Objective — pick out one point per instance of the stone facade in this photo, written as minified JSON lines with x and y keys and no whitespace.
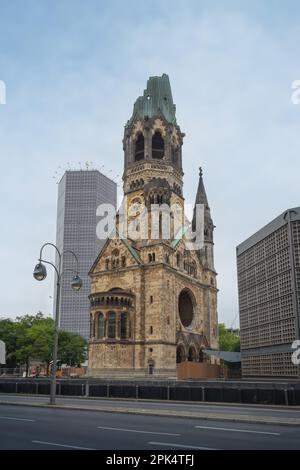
{"x":153,"y":302}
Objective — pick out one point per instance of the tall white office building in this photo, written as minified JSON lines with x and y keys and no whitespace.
{"x":80,"y":192}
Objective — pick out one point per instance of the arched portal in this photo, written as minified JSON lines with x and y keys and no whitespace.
{"x":151,"y":366}
{"x":180,"y":354}
{"x":201,"y":356}
{"x":192,"y":357}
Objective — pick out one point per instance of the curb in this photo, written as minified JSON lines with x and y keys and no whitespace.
{"x":152,"y":400}
{"x":168,"y":413}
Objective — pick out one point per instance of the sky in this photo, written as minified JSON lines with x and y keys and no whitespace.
{"x":73,"y":70}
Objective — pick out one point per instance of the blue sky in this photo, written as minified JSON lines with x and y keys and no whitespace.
{"x":73,"y":70}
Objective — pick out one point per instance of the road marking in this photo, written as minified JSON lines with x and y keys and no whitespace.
{"x":181,"y":446}
{"x":18,"y":419}
{"x":137,"y":431}
{"x":238,"y":430}
{"x":61,"y":445}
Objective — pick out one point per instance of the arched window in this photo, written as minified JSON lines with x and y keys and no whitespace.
{"x":139,"y":153}
{"x":151,"y":257}
{"x":101,"y":326}
{"x":111,"y":325}
{"x":123,"y":326}
{"x":158,"y":146}
{"x":92,"y":326}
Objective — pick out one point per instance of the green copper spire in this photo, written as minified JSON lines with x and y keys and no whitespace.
{"x":157,"y":97}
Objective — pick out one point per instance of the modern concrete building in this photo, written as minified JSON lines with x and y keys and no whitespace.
{"x":268,"y":266}
{"x":80,"y":192}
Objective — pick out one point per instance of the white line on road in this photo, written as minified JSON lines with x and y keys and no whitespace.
{"x":179,"y":446}
{"x":238,"y":430}
{"x":61,"y":445}
{"x":17,"y":419}
{"x":136,"y":430}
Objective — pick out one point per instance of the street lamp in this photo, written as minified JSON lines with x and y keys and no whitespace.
{"x":40,"y":274}
{"x":76,"y":283}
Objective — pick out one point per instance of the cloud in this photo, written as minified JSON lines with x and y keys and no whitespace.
{"x":72,"y":77}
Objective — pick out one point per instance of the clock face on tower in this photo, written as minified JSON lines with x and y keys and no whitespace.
{"x":135,"y":207}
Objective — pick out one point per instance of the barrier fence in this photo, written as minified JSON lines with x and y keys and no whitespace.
{"x":221,"y":394}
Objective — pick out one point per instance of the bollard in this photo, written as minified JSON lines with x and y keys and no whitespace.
{"x":286,"y":397}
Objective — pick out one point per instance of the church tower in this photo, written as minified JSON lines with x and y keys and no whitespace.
{"x":153,"y":299}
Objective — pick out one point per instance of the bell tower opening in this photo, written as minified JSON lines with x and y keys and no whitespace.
{"x":139,"y":153}
{"x":158,"y":146}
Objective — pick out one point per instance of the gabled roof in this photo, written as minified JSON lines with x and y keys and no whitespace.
{"x":126,"y":243}
{"x":132,"y":250}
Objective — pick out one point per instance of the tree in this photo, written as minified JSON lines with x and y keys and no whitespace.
{"x":24,"y":348}
{"x":32,"y":337}
{"x":228,"y":341}
{"x":41,"y":337}
{"x":71,"y":348}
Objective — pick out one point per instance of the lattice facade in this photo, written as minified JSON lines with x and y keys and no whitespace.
{"x":268,"y":267}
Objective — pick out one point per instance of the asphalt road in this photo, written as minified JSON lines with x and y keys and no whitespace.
{"x":23,"y":427}
{"x":227,"y":409}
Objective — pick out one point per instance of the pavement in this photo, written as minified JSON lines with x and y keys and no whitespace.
{"x":252,"y":414}
{"x":45,"y":428}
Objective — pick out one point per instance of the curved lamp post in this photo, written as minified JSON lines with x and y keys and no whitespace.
{"x":40,"y":274}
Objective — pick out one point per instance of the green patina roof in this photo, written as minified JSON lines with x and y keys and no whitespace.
{"x":157,"y":97}
{"x":130,"y":248}
{"x":179,"y":236}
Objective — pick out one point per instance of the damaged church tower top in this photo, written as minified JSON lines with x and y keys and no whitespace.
{"x":157,"y":98}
